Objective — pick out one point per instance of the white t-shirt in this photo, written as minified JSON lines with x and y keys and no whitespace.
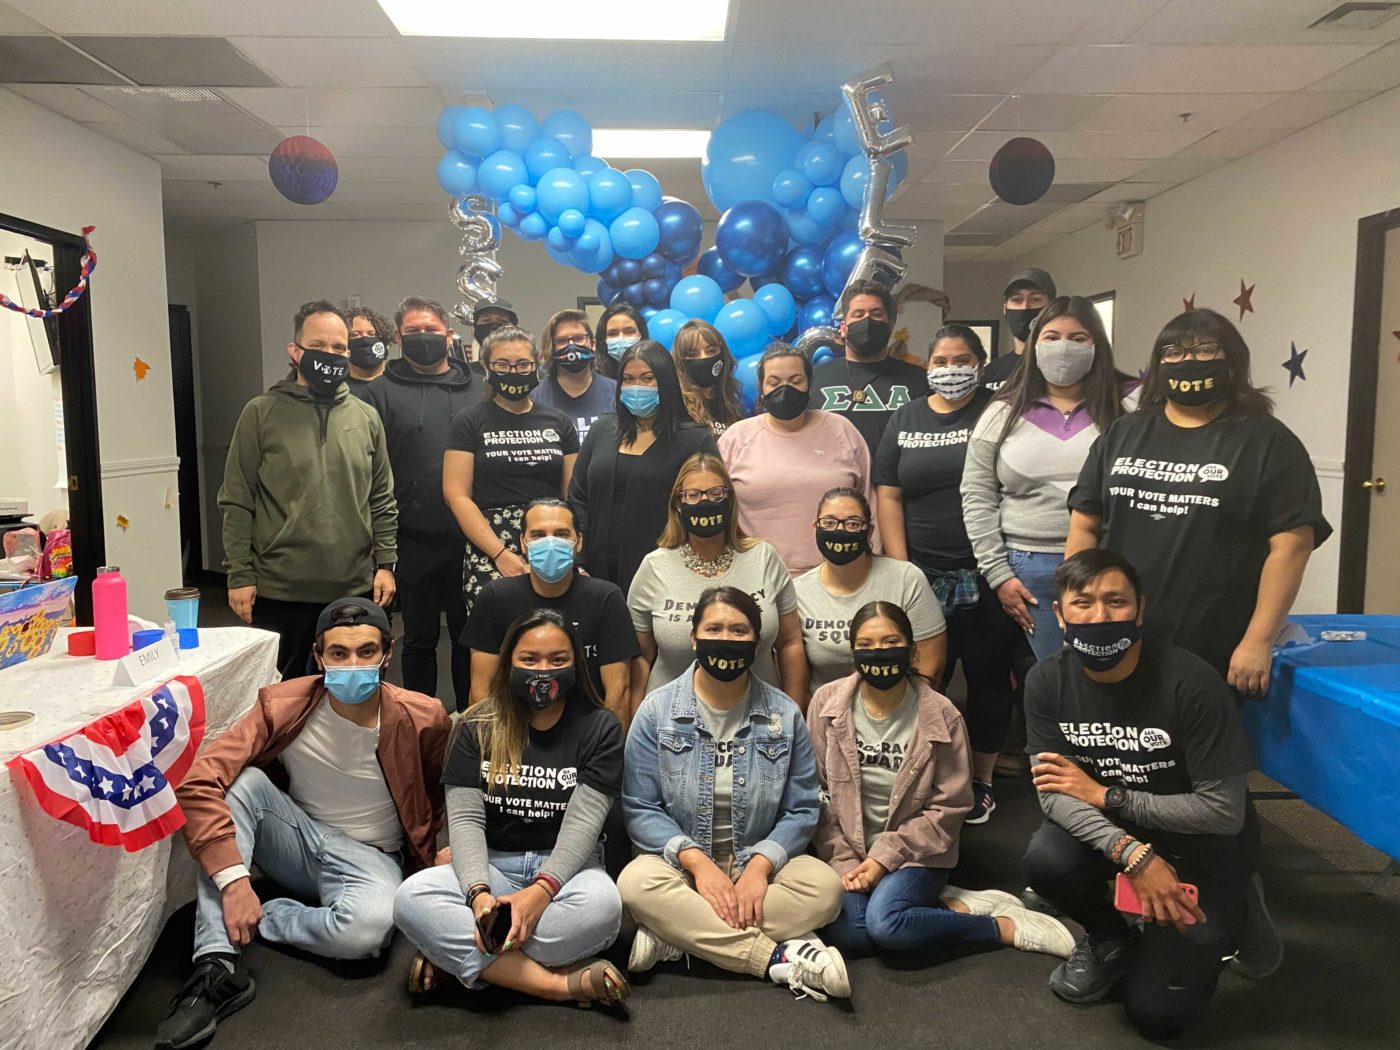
{"x":723,"y":726}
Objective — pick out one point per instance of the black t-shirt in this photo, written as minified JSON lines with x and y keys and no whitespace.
{"x":999,"y":370}
{"x":1171,"y":723}
{"x":922,"y":453}
{"x":595,"y":607}
{"x":1193,"y":509}
{"x":518,"y":457}
{"x":526,"y":812}
{"x":866,"y":394}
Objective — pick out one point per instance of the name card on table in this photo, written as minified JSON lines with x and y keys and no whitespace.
{"x":154,"y":661}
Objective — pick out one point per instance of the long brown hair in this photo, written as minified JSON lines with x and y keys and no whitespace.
{"x":697,"y":333}
{"x":674,"y":536}
{"x":1242,"y":397}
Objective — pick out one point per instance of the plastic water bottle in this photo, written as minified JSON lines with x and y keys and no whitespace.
{"x":172,"y":635}
{"x":112,"y":633}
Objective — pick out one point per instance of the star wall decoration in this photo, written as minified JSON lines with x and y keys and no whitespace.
{"x":1294,"y":364}
{"x":1187,"y":305}
{"x":1245,"y":300}
{"x":1397,"y":336}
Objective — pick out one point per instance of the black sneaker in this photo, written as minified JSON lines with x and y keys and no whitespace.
{"x":982,"y":803}
{"x":1260,"y":948}
{"x":1091,"y":971}
{"x":1032,"y":901}
{"x":211,"y":994}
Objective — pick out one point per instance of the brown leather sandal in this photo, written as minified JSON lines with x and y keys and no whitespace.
{"x":609,"y":985}
{"x":422,"y":977}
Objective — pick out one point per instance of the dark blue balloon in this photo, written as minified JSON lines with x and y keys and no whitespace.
{"x":840,"y":260}
{"x":648,"y":312}
{"x":604,"y":289}
{"x":712,"y":265}
{"x":752,"y":237}
{"x":816,"y":312}
{"x":681,"y":229}
{"x":629,"y":271}
{"x":613,"y":275}
{"x":654,"y":265}
{"x":766,"y":278}
{"x":635,"y":294}
{"x":673,"y":273}
{"x":802,"y":271}
{"x":656,"y":292}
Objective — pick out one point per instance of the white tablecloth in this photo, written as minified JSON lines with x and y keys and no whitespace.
{"x":77,"y":920}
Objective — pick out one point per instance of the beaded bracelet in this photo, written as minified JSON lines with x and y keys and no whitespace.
{"x":1119,"y":847}
{"x":1140,"y":861}
{"x":475,"y":892}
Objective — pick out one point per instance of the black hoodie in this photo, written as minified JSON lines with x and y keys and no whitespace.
{"x":417,"y":411}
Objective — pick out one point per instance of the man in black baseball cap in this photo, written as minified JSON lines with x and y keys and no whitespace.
{"x":490,"y":317}
{"x":1027,"y":293}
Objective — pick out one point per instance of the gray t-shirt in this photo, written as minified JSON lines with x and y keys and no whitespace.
{"x":826,"y":617}
{"x":663,"y":596}
{"x":723,"y":726}
{"x":881,"y":744}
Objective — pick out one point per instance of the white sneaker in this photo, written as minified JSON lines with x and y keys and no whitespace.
{"x":648,"y":950}
{"x":809,"y":968}
{"x":1040,"y":933}
{"x":984,"y":902}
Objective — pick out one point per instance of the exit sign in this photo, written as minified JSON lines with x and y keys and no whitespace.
{"x":1128,"y":239}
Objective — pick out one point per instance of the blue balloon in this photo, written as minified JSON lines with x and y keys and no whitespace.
{"x":560,"y":241}
{"x":755,"y":283}
{"x":826,"y":205}
{"x":844,"y":132}
{"x":571,"y":222}
{"x":752,"y":237}
{"x":746,"y":372}
{"x":656,"y":292}
{"x":571,"y":129}
{"x":820,"y":162}
{"x":544,"y":155}
{"x":522,"y":198}
{"x":654,"y":266}
{"x":445,"y":121}
{"x":562,"y":258}
{"x":518,"y":127}
{"x":457,"y":174}
{"x":745,"y":154}
{"x":475,"y":131}
{"x":816,"y":312}
{"x":609,"y":194}
{"x":646,"y":191}
{"x":712,"y":265}
{"x":853,"y":179}
{"x":634,"y":294}
{"x":588,"y":166}
{"x":790,"y":188}
{"x":560,"y":189}
{"x":697,"y":296}
{"x":803,"y":229}
{"x":681,"y":230}
{"x":648,"y":312}
{"x":840,"y":260}
{"x":533,"y":227}
{"x":778,"y":306}
{"x":802,"y":271}
{"x":664,"y":325}
{"x":594,"y":252}
{"x":744,"y":327}
{"x":499,"y":173}
{"x":603,"y":289}
{"x":508,"y":216}
{"x":635,"y":233}
{"x":825,"y":131}
{"x":629,"y":271}
{"x":614,"y":296}
{"x":823,"y":355}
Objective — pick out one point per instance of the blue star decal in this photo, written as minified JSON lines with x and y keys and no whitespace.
{"x":1294,"y":364}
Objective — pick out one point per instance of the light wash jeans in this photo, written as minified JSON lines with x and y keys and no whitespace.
{"x":1037,"y":572}
{"x":431,"y":909}
{"x":354,"y":883}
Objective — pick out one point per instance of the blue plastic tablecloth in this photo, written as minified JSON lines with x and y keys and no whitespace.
{"x":1329,"y":730}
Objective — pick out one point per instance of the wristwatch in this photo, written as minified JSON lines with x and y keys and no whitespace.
{"x":1114,"y":798}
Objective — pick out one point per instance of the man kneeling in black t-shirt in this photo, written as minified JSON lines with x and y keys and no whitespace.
{"x":1141,"y":764}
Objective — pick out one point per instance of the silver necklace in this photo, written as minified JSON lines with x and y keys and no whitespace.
{"x":708,"y":569}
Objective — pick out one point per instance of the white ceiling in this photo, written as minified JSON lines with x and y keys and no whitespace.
{"x":1103,"y":83}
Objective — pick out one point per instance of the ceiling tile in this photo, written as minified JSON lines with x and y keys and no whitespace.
{"x":347,"y":107}
{"x":1303,"y":108}
{"x":1378,"y":71}
{"x":372,"y":141}
{"x":70,"y":102}
{"x":940,"y":111}
{"x":334,"y":61}
{"x":161,"y":17}
{"x":563,"y":68}
{"x":1044,"y":112}
{"x":1082,"y":145}
{"x":1208,"y":70}
{"x":625,"y":108}
{"x":388,"y":169}
{"x":1130,"y":191}
{"x":1115,"y":21}
{"x":817,"y":68}
{"x":166,"y":61}
{"x":1163,"y":112}
{"x":822,"y":21}
{"x":1253,"y":22}
{"x":236,"y":191}
{"x":961,"y":251}
{"x":1234,"y":142}
{"x":211,"y":166}
{"x":354,"y":192}
{"x":946,"y":193}
{"x":1180,"y":169}
{"x":11,"y":21}
{"x":135,"y":136}
{"x":1007,"y":219}
{"x":1075,"y":217}
{"x":202,"y":126}
{"x":47,"y":60}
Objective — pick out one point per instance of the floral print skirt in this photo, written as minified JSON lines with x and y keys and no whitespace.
{"x":477,"y":567}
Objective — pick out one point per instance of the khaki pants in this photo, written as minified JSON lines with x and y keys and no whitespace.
{"x":802,"y":898}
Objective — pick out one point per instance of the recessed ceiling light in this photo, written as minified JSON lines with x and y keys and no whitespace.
{"x":562,"y":19}
{"x":649,"y":142}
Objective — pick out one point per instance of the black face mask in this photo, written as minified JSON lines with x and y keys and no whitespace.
{"x":1020,"y":321}
{"x":539,"y":688}
{"x":485,"y":328}
{"x":367,"y":352}
{"x":1196,"y":382}
{"x":322,"y":370}
{"x":1102,"y":646}
{"x":704,"y":371}
{"x":424,"y":348}
{"x":513,"y":387}
{"x":840,"y":547}
{"x":883,"y":668}
{"x":573,"y":358}
{"x":724,"y":660}
{"x":786,"y":402}
{"x":868,"y":336}
{"x":706,"y":518}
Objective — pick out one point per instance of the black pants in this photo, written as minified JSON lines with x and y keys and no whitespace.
{"x":295,"y":623}
{"x":1172,"y":976}
{"x":429,"y":581}
{"x":985,"y":639}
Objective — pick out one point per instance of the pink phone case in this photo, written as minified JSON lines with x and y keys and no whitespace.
{"x":1125,"y":897}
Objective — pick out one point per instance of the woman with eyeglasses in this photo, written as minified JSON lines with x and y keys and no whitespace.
{"x":703,"y":546}
{"x":1213,"y":500}
{"x":573,"y":383}
{"x":850,"y":577}
{"x":619,"y":329}
{"x":1024,"y":455}
{"x":706,"y":370}
{"x":502,"y":453}
{"x":629,"y":463}
{"x":784,"y":458}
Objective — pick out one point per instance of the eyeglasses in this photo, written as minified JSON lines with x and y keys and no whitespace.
{"x":1200,"y":352}
{"x":842,"y":524}
{"x":578,"y":340}
{"x":694,"y":496}
{"x":505,"y":368}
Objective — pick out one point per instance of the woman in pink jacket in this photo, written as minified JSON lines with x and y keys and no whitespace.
{"x":892,"y":757}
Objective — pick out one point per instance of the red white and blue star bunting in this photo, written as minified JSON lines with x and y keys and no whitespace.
{"x":74,"y":294}
{"x":116,"y":777}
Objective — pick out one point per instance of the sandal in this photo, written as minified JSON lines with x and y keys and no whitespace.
{"x":422,"y":978}
{"x":609,"y":985}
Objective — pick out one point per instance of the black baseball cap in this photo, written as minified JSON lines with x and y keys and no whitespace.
{"x":351,"y":612}
{"x":1030,"y":277}
{"x":502,"y":306}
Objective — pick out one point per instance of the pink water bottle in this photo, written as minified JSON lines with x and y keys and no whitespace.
{"x":113,"y":635}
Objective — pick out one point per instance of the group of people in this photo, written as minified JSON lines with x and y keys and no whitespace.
{"x":699,"y":657}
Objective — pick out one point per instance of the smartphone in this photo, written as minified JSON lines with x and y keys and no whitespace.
{"x":494,"y":927}
{"x":1125,"y":898}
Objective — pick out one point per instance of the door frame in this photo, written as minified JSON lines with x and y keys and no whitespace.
{"x":1361,"y":407}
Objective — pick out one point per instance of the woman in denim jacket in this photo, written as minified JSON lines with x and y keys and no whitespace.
{"x":720,"y":795}
{"x":896,"y":774}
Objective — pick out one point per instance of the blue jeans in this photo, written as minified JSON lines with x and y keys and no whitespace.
{"x":582,"y":920}
{"x":903,"y":914}
{"x":1037,"y":572}
{"x":353,"y":882}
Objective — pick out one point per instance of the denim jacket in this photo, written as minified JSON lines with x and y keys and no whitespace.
{"x":669,"y":780}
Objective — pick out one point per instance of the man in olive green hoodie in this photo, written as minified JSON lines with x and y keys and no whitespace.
{"x":308,"y":494}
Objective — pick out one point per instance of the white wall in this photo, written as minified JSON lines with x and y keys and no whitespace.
{"x":62,"y":175}
{"x":1284,"y":220}
{"x":976,"y":290}
{"x":923,"y":262}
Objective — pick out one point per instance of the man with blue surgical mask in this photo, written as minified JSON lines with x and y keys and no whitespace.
{"x":596,"y":608}
{"x":331,"y":785}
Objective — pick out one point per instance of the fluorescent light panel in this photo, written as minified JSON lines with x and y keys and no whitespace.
{"x":649,"y":142}
{"x":562,"y":19}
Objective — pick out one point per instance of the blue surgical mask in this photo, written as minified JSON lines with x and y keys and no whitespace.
{"x":617,"y":346}
{"x":352,"y":685}
{"x":641,"y":401}
{"x":550,"y":558}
